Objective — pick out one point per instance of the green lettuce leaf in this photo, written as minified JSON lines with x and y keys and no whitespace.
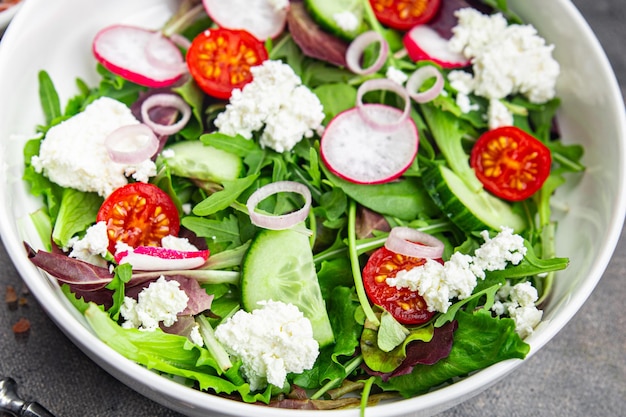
{"x":480,"y":341}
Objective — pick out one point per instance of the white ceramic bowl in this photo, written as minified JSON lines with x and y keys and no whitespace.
{"x":7,"y":15}
{"x":592,"y":114}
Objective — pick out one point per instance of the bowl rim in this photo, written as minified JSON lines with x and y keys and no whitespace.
{"x":179,"y":397}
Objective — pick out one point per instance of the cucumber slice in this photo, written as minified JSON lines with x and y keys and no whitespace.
{"x":194,"y":159}
{"x":470,"y":211}
{"x":325,"y":12}
{"x":279,"y":266}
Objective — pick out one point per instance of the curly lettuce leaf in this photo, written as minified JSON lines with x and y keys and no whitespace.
{"x":480,"y":341}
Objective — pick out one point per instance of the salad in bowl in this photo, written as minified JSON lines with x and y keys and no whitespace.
{"x":307,"y":205}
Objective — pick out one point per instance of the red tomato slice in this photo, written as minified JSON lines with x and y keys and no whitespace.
{"x":139,"y":214}
{"x":404,"y":14}
{"x":406,"y":306}
{"x":510,"y":163}
{"x":220,"y":60}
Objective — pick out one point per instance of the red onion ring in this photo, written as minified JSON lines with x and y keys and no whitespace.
{"x":155,"y":45}
{"x":417,"y":80}
{"x":383,"y":84}
{"x":165,"y":100}
{"x":355,"y":50}
{"x":125,"y":145}
{"x":281,"y":221}
{"x":411,"y":242}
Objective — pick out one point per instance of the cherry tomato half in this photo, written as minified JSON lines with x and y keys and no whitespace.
{"x":406,"y":306}
{"x":404,"y":14}
{"x":139,"y":214}
{"x":510,"y":163}
{"x":220,"y":60}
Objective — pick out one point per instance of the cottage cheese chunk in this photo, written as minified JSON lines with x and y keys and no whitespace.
{"x":271,"y":341}
{"x":346,"y":20}
{"x":396,"y":75}
{"x":275,"y":102}
{"x":518,"y":302}
{"x":506,"y":59}
{"x":93,"y":247}
{"x":73,"y":154}
{"x":457,"y":277}
{"x":161,"y":301}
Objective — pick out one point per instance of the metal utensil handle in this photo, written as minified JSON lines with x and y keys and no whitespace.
{"x":11,"y":403}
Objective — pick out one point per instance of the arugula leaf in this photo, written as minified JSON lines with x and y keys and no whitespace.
{"x":224,"y":231}
{"x":50,"y":102}
{"x":123,"y":274}
{"x":224,"y":198}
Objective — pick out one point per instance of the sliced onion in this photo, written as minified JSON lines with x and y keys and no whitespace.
{"x":388,"y":85}
{"x":355,"y":50}
{"x":165,"y":100}
{"x":417,"y":80}
{"x":181,"y":41}
{"x":410,"y":242}
{"x":131,"y":144}
{"x":281,"y":221}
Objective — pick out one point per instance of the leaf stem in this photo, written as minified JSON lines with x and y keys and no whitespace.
{"x":356,"y":269}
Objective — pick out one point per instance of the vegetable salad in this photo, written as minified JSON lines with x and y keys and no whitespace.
{"x":320,"y":206}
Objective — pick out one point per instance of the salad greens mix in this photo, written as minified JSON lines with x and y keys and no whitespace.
{"x":319,"y":264}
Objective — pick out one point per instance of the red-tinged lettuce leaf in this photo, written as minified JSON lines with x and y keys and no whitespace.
{"x":69,"y":270}
{"x":426,"y":353}
{"x":312,"y":39}
{"x":445,"y":20}
{"x":480,"y":341}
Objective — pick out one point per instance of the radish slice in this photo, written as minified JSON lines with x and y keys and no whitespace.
{"x":165,"y":100}
{"x":418,"y":78}
{"x":262,"y":18}
{"x":152,"y":258}
{"x":372,"y":118}
{"x":410,"y":242}
{"x":131,"y":144}
{"x":132,"y":53}
{"x":356,"y":152}
{"x":424,"y":43}
{"x":355,"y":50}
{"x":282,"y":221}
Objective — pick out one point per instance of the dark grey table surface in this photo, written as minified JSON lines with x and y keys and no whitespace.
{"x":581,"y":372}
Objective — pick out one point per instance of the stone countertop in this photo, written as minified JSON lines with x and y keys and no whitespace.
{"x":581,"y":372}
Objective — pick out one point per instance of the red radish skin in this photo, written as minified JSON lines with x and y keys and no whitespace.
{"x":123,"y":50}
{"x":355,"y":151}
{"x":424,"y":43}
{"x":255,"y":16}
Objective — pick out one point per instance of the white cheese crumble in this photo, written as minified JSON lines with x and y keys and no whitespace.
{"x":276,"y":102}
{"x":271,"y":342}
{"x":457,"y":277}
{"x":346,"y":20}
{"x":506,"y":59}
{"x":195,"y":336}
{"x":181,"y":244}
{"x":161,"y":301}
{"x":519,"y":302}
{"x":92,"y":247}
{"x":498,"y":115}
{"x":396,"y":75}
{"x":73,"y":153}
